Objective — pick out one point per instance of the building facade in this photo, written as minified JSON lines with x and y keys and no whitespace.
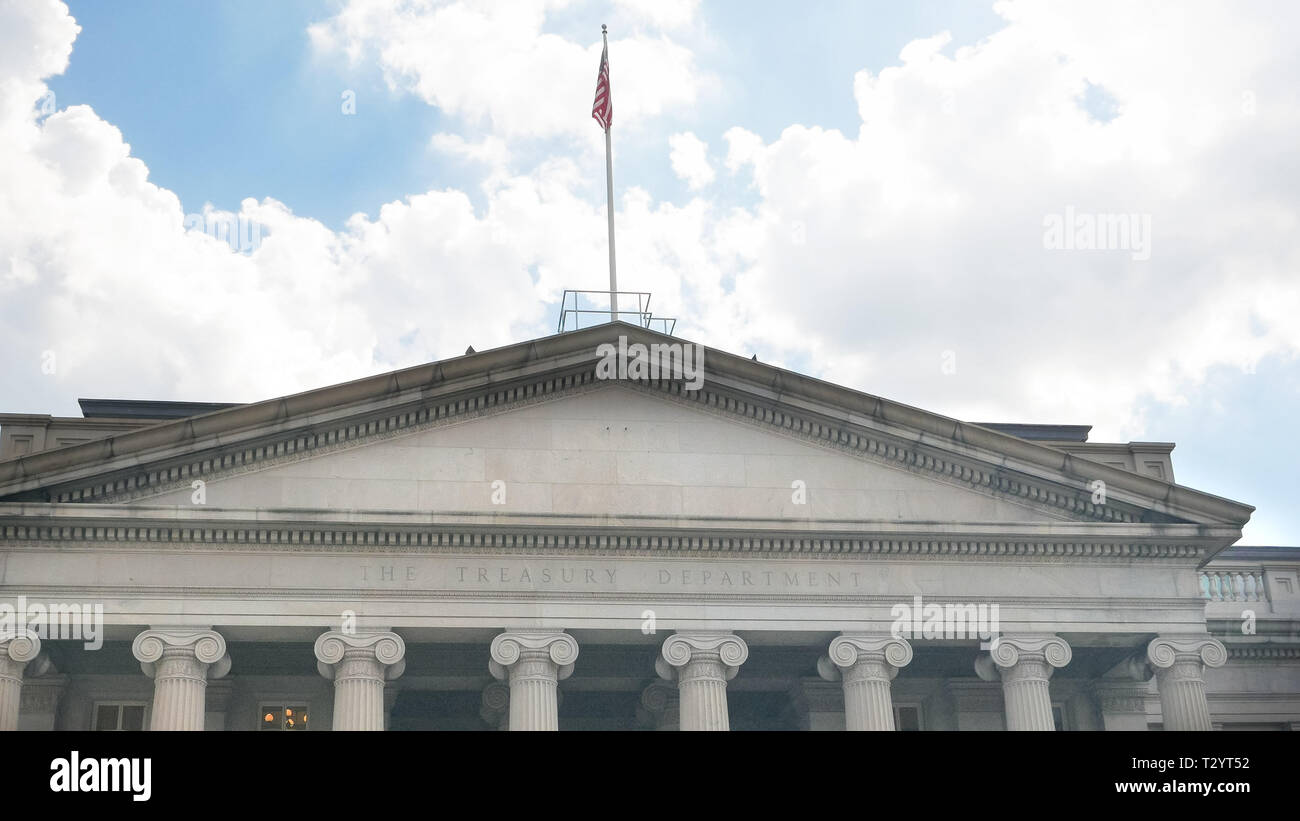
{"x":521,"y":539}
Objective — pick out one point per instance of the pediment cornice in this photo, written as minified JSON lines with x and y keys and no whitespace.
{"x":170,"y":455}
{"x":135,"y":527}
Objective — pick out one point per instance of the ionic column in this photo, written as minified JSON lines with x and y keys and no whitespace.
{"x":494,"y":706}
{"x":534,"y":663}
{"x":866,"y":665}
{"x":1180,"y":663}
{"x":359,"y":664}
{"x":659,"y":704}
{"x":15,"y":653}
{"x":180,"y":661}
{"x":1025,"y":663}
{"x":702,"y":664}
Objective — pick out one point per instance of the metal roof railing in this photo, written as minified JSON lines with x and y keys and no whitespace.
{"x":583,"y":309}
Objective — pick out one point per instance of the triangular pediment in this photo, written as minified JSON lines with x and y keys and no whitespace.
{"x":608,"y":450}
{"x":539,"y":417}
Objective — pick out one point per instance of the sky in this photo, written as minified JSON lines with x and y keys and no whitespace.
{"x":1053,"y":212}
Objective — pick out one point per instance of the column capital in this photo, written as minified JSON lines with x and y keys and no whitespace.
{"x":658,"y":696}
{"x":660,"y":706}
{"x":386,"y":648}
{"x":208,"y":647}
{"x":1164,"y":651}
{"x":510,"y":647}
{"x":17,"y":652}
{"x":494,"y":704}
{"x":849,"y":649}
{"x":21,"y":648}
{"x":680,"y":649}
{"x":1006,"y":652}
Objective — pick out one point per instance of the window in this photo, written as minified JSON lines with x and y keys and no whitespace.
{"x":907,"y":717}
{"x":111,"y":716}
{"x":282,"y":717}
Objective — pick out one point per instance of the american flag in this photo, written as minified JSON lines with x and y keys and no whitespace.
{"x":603,"y":110}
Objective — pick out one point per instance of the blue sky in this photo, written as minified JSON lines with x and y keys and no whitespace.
{"x":853,"y":190}
{"x":227,"y":100}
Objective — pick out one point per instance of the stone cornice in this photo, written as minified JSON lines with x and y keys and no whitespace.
{"x":28,"y":525}
{"x":1264,"y":653}
{"x":171,"y":454}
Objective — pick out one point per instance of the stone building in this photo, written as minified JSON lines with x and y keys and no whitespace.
{"x":508,"y":539}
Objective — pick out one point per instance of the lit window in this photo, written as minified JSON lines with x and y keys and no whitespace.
{"x":282,"y":717}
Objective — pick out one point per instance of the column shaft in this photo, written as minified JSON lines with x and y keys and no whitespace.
{"x":1028,"y":696}
{"x":11,"y":690}
{"x":358,"y":692}
{"x":702,"y":688}
{"x":1182,"y":700}
{"x":868,"y":704}
{"x":533,"y":693}
{"x":180,"y":684}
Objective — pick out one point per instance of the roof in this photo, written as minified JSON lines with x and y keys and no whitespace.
{"x":146,"y":409}
{"x":1047,"y":433}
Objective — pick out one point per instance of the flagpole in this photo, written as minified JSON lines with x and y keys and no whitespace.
{"x":609,"y":207}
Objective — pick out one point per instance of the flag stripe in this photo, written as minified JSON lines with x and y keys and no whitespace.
{"x":603,"y":110}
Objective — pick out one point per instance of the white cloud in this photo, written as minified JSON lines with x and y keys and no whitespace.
{"x":494,"y":64}
{"x":874,"y":253}
{"x":689,"y":156}
{"x":491,"y":151}
{"x":667,"y":14}
{"x":743,"y":147}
